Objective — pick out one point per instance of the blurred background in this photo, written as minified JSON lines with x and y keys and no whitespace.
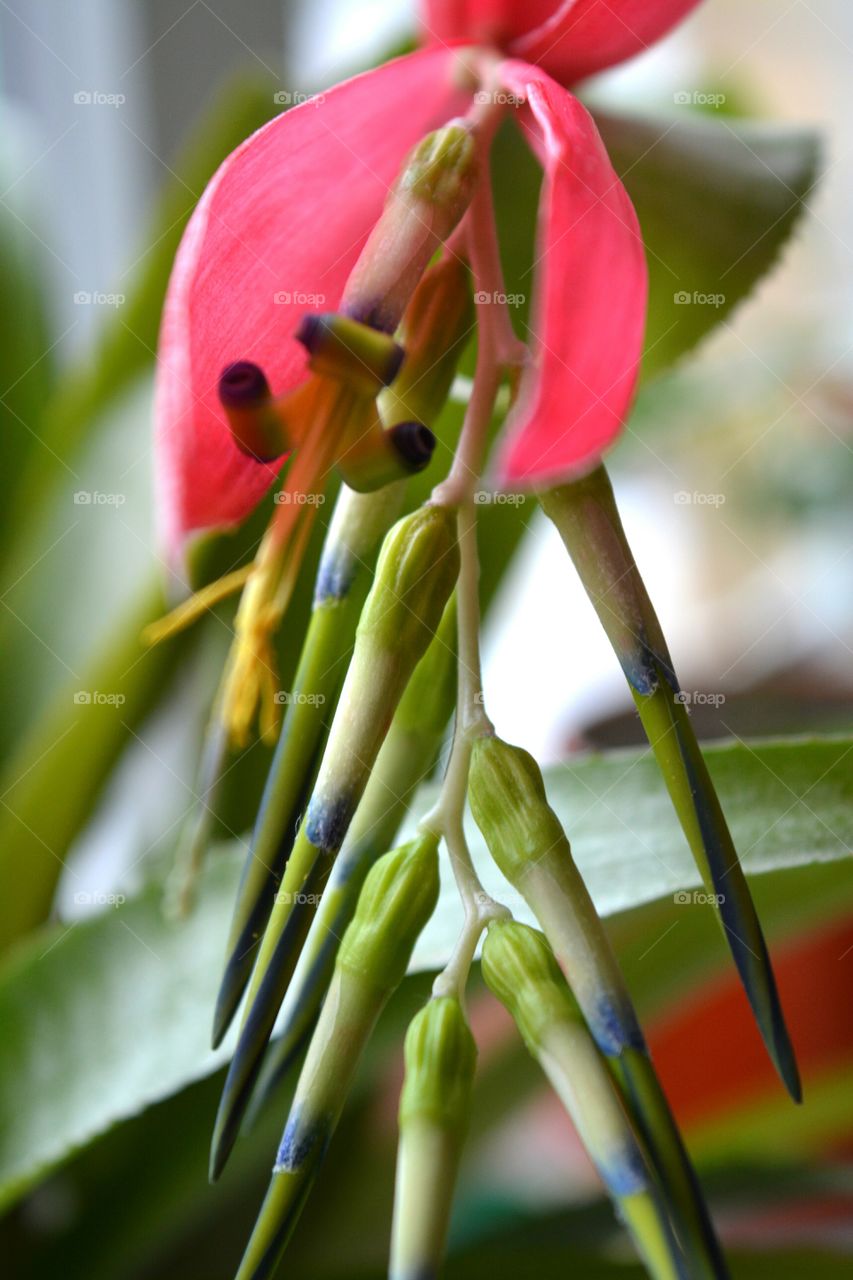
{"x":735,"y":484}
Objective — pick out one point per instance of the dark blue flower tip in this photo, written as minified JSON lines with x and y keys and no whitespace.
{"x":414,"y":443}
{"x":243,"y":385}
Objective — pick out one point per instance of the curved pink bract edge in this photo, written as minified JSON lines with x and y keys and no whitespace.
{"x":570,"y":40}
{"x":276,"y":233}
{"x":591,"y":289}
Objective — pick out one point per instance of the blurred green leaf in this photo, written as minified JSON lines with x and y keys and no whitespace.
{"x":51,"y":783}
{"x":788,"y":803}
{"x":717,"y":200}
{"x":26,"y":357}
{"x":128,"y":995}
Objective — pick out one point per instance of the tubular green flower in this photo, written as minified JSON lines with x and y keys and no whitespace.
{"x":407,"y":755}
{"x":520,"y":969}
{"x":441,"y":1057}
{"x":415,"y":575}
{"x":358,"y":525}
{"x":398,"y":897}
{"x":587,"y":519}
{"x":528,"y":844}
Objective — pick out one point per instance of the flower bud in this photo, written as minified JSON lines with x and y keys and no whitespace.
{"x":415,"y":575}
{"x":519,"y":967}
{"x":417,"y":570}
{"x":397,"y":899}
{"x":434,"y":189}
{"x":528,"y":844}
{"x":440,"y":1060}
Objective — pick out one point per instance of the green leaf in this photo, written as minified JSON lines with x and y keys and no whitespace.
{"x":102,"y":1018}
{"x":789,"y":804}
{"x":50,"y":785}
{"x":717,"y":201}
{"x":127,"y":996}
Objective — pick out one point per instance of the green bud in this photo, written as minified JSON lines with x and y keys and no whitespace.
{"x":437,"y":324}
{"x":440,"y":1058}
{"x":519,"y":967}
{"x":416,"y":572}
{"x":441,"y":168}
{"x":398,"y":897}
{"x":508,"y":802}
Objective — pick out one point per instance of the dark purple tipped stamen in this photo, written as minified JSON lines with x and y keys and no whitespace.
{"x":414,"y":442}
{"x":242,"y":385}
{"x":244,"y":394}
{"x":344,"y":348}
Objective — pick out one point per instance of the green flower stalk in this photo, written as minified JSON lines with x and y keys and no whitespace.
{"x":416,"y":573}
{"x":526,"y":840}
{"x":519,"y":967}
{"x":441,"y":1058}
{"x":433,"y":333}
{"x":398,"y":897}
{"x":358,"y":525}
{"x":408,"y":754}
{"x":588,"y":521}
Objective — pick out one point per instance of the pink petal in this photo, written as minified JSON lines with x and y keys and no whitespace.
{"x":285,"y":216}
{"x":571,"y":40}
{"x":590,"y":303}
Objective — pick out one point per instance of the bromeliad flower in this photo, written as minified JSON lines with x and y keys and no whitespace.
{"x":315,"y":319}
{"x":570,"y":39}
{"x":285,"y":220}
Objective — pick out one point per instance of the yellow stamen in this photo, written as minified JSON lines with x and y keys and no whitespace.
{"x":200,"y":602}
